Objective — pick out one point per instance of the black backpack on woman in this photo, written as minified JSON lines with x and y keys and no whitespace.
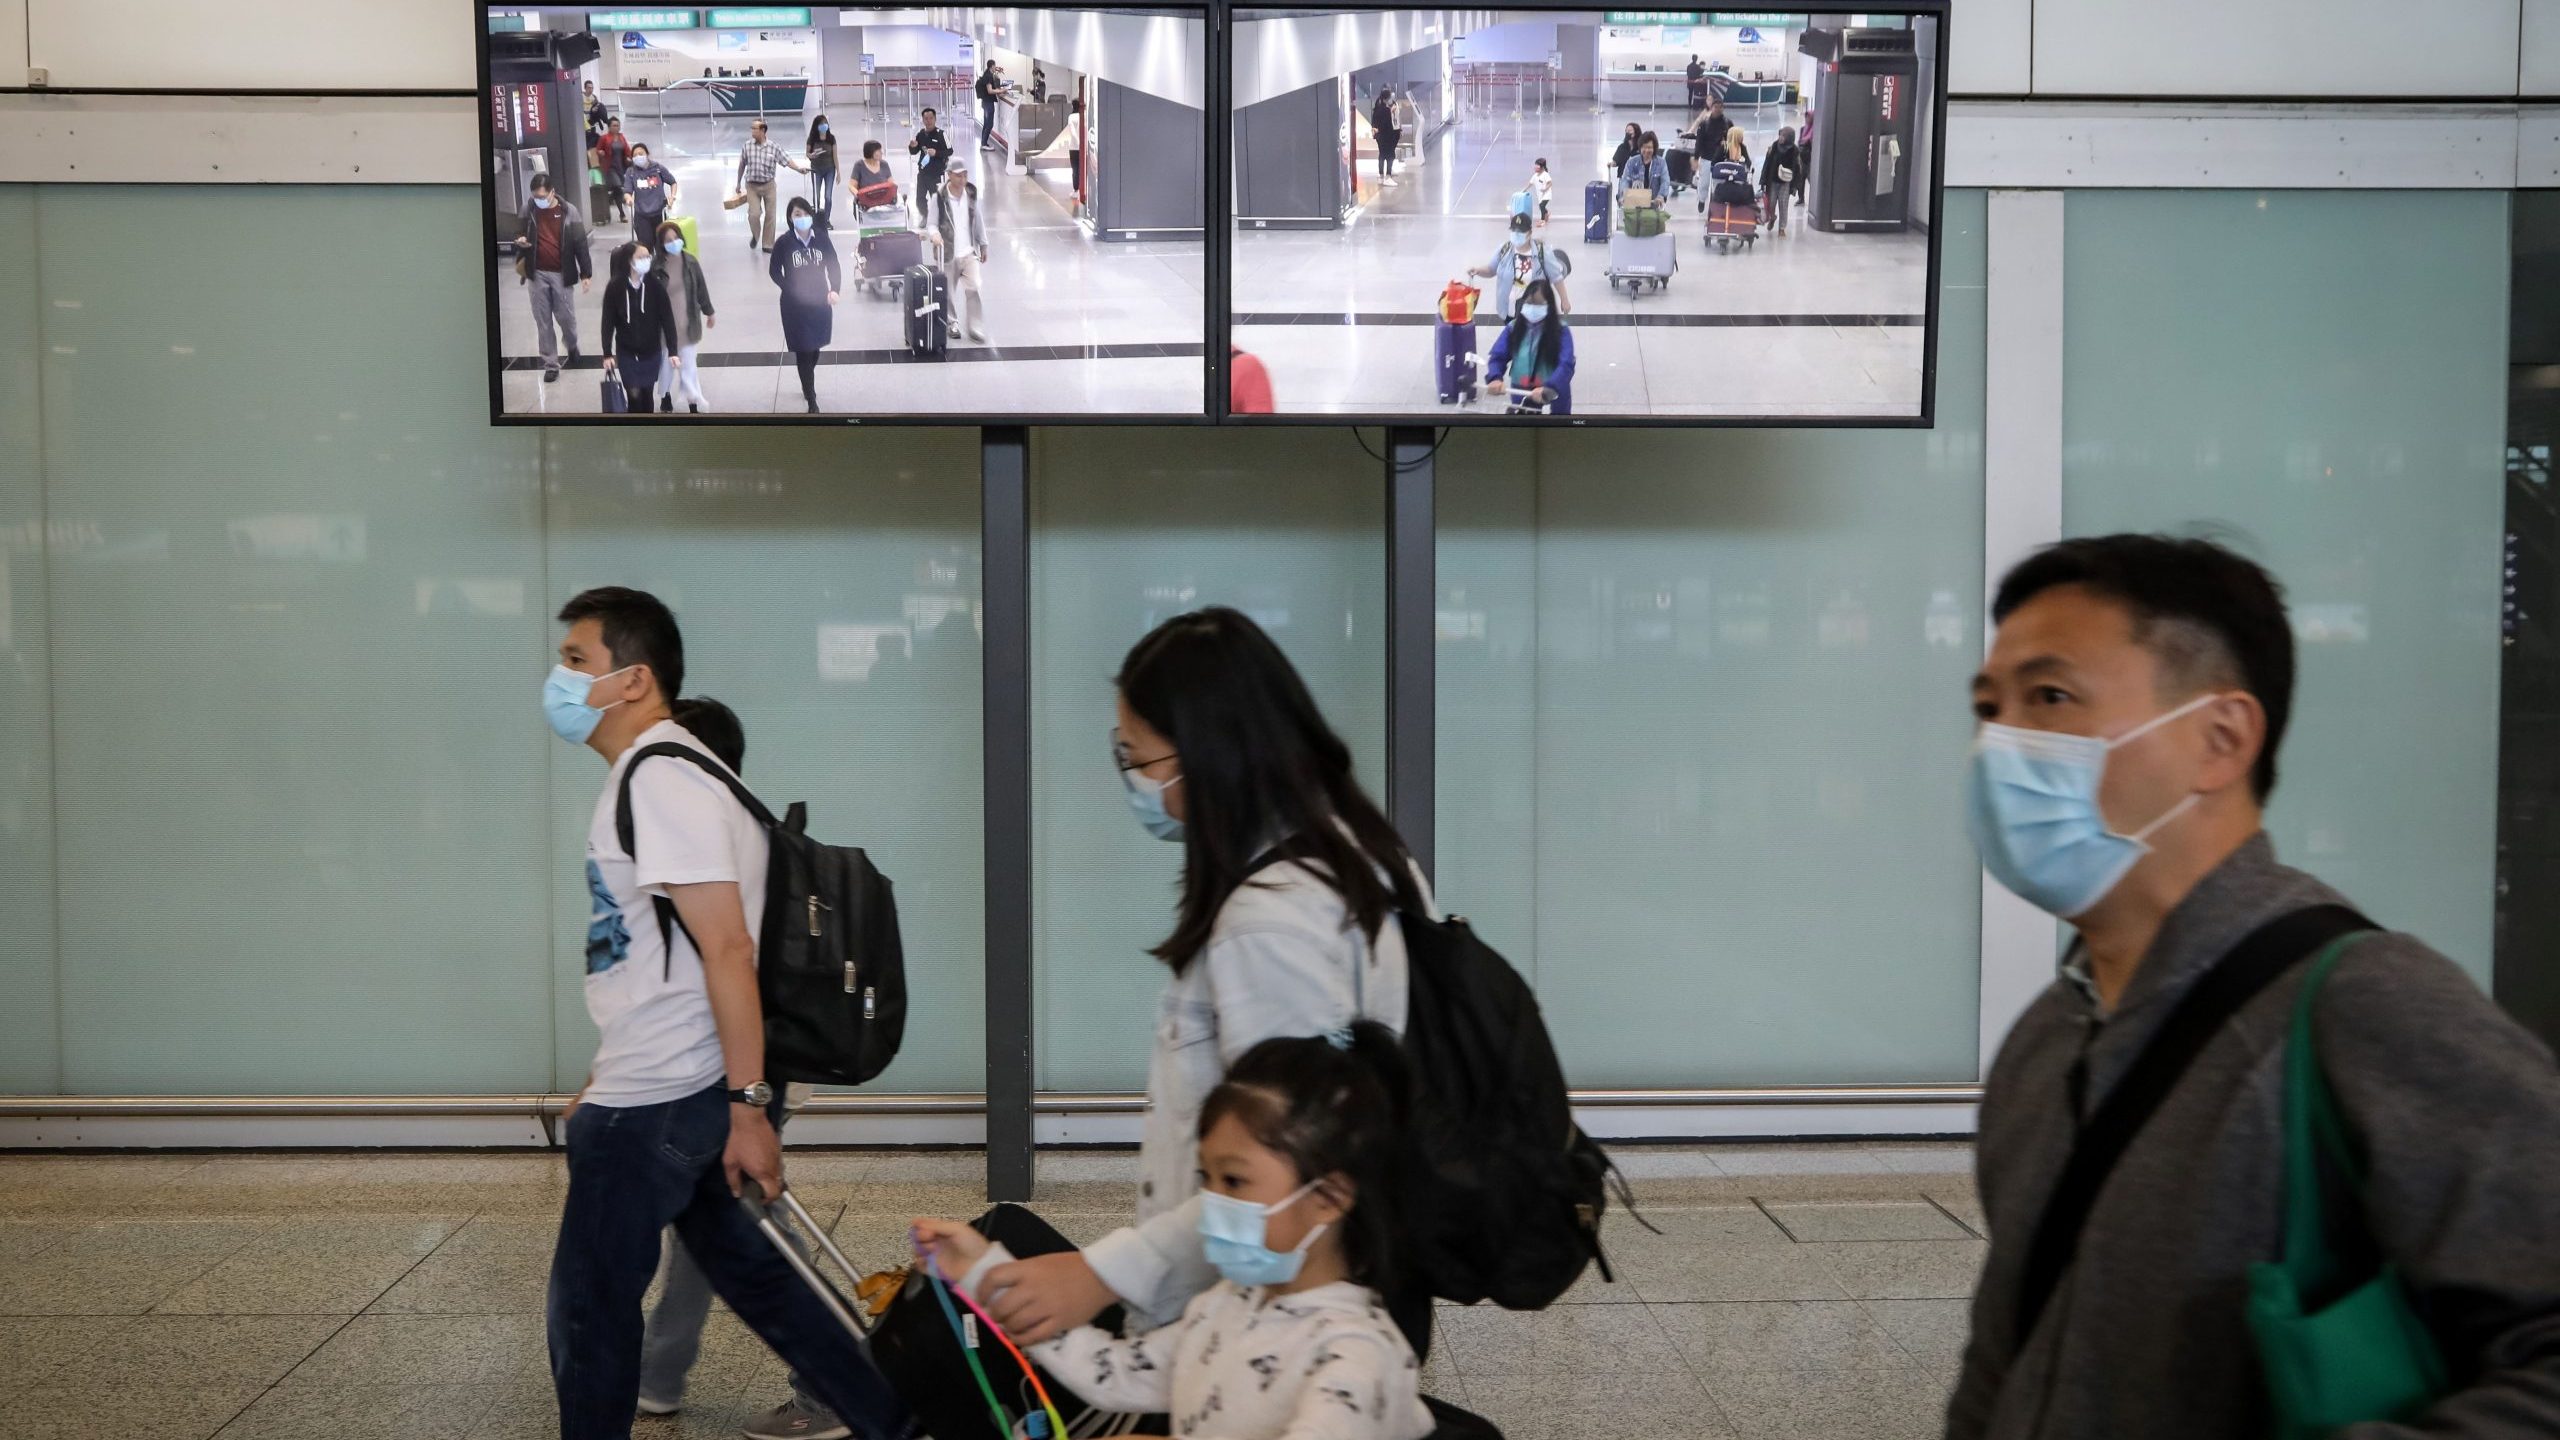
{"x":1503,"y":1192}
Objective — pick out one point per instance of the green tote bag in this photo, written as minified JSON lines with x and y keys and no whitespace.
{"x":2337,"y":1348}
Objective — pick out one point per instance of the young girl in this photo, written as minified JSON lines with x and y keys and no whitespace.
{"x":1542,"y":185}
{"x":1297,"y":1151}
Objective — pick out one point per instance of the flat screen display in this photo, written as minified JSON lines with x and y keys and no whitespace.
{"x":836,"y":214}
{"x":1585,"y":216}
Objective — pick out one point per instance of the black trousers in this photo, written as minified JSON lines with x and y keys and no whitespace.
{"x":807,"y":360}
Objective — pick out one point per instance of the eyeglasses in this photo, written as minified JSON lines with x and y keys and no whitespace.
{"x":1121,"y":757}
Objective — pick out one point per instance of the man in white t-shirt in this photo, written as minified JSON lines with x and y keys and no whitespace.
{"x":676,"y":1117}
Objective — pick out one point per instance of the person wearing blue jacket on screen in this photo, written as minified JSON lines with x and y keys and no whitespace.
{"x":1533,"y":356}
{"x":1646,"y":168}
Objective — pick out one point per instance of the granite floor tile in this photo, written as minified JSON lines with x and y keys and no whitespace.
{"x":377,"y":1412}
{"x":187,"y":1352}
{"x":1832,"y":1404}
{"x":1964,"y":1206}
{"x":1932,"y":1331}
{"x":1866,"y":1220}
{"x":1571,"y":1339}
{"x":1904,"y":1270}
{"x":1953,"y":1157}
{"x":81,"y":1413}
{"x":1800,"y":1159}
{"x":422,"y":1350}
{"x":335,"y":1265}
{"x":119,"y":1267}
{"x":503,"y":1235}
{"x":1595,"y":1407}
{"x":36,"y":1349}
{"x":505,"y":1283}
{"x":1730,"y":1271}
{"x":21,"y":1239}
{"x":1780,"y":1335}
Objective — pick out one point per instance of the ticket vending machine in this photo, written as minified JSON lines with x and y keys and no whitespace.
{"x":1866,"y":94}
{"x":536,"y":127}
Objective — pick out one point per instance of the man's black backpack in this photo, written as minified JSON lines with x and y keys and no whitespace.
{"x":829,"y":967}
{"x":1504,"y":1196}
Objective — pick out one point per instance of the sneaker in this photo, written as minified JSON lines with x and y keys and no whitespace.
{"x":573,"y":354}
{"x":551,"y":374}
{"x":977,"y":334}
{"x":651,"y":1405}
{"x":792,"y":1420}
{"x":696,"y":409}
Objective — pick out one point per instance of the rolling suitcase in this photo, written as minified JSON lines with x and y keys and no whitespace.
{"x":927,"y":298}
{"x":1595,"y":212}
{"x":692,"y":229}
{"x":1683,"y":167}
{"x":1729,"y":225}
{"x":1454,"y":343}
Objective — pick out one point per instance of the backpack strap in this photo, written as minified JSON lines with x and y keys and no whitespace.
{"x":668,"y":921}
{"x":2261,"y":958}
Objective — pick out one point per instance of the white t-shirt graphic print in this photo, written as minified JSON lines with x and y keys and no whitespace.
{"x":657,"y":1041}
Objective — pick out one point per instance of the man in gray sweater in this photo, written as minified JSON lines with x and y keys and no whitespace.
{"x":2132,"y":705}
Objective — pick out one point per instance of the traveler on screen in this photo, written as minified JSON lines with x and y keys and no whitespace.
{"x":551,"y":256}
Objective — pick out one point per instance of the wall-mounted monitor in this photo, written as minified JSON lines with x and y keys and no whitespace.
{"x":1551,"y":216}
{"x":971,"y":215}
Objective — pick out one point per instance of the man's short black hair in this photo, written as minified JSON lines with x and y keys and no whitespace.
{"x":638,"y":628}
{"x":2212,"y":617}
{"x":541,"y":182}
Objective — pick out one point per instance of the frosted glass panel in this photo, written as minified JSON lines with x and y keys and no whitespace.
{"x":1703,"y":718}
{"x":2321,"y":378}
{"x":28,"y":1059}
{"x":1130,"y":528}
{"x":297,"y":638}
{"x":827,"y":584}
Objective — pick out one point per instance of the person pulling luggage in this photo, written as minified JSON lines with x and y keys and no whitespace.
{"x":956,"y":227}
{"x":1532,"y":359}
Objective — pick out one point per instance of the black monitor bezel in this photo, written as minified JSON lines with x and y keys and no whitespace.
{"x":1213,"y":356}
{"x":1217,"y":261}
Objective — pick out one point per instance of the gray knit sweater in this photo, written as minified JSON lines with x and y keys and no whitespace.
{"x":2457,"y":1105}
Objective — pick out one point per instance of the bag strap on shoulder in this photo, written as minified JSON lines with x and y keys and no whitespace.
{"x":669,"y":922}
{"x":2260,"y":958}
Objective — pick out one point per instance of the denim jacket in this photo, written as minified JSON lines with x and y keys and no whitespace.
{"x":1285,"y":958}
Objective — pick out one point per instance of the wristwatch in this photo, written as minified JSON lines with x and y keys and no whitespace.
{"x":760,"y":1095}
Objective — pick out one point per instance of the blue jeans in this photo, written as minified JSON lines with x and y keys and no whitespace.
{"x":674,"y":1337}
{"x":634,"y":1170}
{"x":822,"y":193}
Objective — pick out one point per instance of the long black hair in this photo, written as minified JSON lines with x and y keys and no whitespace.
{"x":1331,"y":1111}
{"x":814,"y":137}
{"x":1550,"y":330}
{"x":1259,"y":766}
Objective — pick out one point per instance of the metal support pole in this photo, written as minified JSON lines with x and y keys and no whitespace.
{"x":1004,"y":543}
{"x":1412,"y":621}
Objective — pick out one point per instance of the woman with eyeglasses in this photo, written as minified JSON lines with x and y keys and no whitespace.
{"x":1292,"y":881}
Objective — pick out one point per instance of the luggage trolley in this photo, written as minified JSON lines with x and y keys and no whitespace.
{"x":885,"y":245}
{"x":1636,"y":261}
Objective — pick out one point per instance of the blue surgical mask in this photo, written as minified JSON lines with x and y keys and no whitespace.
{"x":2032,"y":807}
{"x":541,"y":202}
{"x":564,"y":702}
{"x":801,"y":223}
{"x":1534,"y":313}
{"x":1231,"y":1236}
{"x":1146,"y":796}
{"x":675,"y":247}
{"x":823,"y":130}
{"x":639,"y":266}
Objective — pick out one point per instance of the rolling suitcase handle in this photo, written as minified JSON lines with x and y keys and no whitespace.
{"x":847,"y":1314}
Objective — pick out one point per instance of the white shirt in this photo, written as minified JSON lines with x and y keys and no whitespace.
{"x":958,"y":206}
{"x":1544,"y":184}
{"x":658,"y":1042}
{"x":1284,"y":958}
{"x":1245,"y":1364}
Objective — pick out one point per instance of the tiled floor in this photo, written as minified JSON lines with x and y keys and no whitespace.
{"x":1811,"y":1291}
